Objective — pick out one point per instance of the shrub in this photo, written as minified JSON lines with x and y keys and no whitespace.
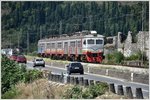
{"x":74,"y":92}
{"x":98,"y":89}
{"x":31,"y":75}
{"x":11,"y":73}
{"x":11,"y":93}
{"x":115,"y":58}
{"x":91,"y":92}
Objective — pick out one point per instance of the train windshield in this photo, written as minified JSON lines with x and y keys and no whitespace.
{"x":90,"y":41}
{"x":98,"y":41}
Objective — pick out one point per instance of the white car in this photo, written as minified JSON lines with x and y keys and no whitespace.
{"x":38,"y":62}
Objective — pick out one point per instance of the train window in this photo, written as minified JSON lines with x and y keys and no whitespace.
{"x":53,"y":45}
{"x":48,"y":45}
{"x":79,"y":43}
{"x":98,"y":41}
{"x":66,"y":44}
{"x":59,"y":45}
{"x":90,"y":41}
{"x":72,"y":44}
{"x":84,"y":42}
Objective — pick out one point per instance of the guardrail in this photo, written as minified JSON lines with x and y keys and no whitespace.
{"x":60,"y":78}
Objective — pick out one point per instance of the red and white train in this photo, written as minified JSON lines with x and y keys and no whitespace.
{"x":84,"y":46}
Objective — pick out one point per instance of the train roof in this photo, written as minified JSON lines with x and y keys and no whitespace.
{"x":76,"y":35}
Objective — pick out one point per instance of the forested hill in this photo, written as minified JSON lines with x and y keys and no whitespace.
{"x":44,"y":19}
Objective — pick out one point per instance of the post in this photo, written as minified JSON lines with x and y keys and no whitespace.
{"x":91,"y":82}
{"x":81,"y":79}
{"x":86,"y":83}
{"x":120,"y":90}
{"x":68,"y":79}
{"x":112,"y":88}
{"x":139,"y":94}
{"x":132,"y":77}
{"x":88,"y":69}
{"x":72,"y":80}
{"x":76,"y":81}
{"x":107,"y":72}
{"x":129,"y":92}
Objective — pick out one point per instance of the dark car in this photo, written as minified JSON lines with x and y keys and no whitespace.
{"x":13,"y":57}
{"x":38,"y":62}
{"x":75,"y":67}
{"x":21,"y":59}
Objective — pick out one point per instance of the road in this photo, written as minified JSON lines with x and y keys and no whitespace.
{"x":134,"y":85}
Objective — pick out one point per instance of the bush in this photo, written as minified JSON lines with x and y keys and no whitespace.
{"x":115,"y":58}
{"x":86,"y":93}
{"x":31,"y":75}
{"x":11,"y":93}
{"x":74,"y":92}
{"x":98,"y":89}
{"x":12,"y":73}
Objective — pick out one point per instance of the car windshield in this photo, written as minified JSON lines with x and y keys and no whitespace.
{"x":76,"y":65}
{"x":39,"y":59}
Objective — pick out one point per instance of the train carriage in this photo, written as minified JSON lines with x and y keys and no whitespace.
{"x":83,"y":46}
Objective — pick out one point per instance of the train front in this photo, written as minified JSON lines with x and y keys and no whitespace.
{"x":93,"y":46}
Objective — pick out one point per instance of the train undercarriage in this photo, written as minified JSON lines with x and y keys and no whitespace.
{"x":87,"y":57}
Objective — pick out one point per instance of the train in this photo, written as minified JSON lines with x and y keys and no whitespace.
{"x":86,"y":46}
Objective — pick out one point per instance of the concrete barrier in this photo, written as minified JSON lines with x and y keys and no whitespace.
{"x":112,"y":88}
{"x":139,"y":94}
{"x":68,"y":79}
{"x":86,"y":83}
{"x":142,"y":78}
{"x":81,"y":81}
{"x":120,"y":90}
{"x":91,"y":82}
{"x":72,"y":80}
{"x":129,"y":93}
{"x":76,"y":81}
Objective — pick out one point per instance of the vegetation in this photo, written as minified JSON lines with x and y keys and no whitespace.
{"x":90,"y":92}
{"x":12,"y":73}
{"x":43,"y":19}
{"x":115,"y":58}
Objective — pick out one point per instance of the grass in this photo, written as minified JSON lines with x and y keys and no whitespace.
{"x":39,"y":89}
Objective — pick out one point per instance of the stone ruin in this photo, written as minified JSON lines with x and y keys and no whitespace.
{"x":126,"y":46}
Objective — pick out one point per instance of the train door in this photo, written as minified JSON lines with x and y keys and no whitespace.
{"x":66,"y":48}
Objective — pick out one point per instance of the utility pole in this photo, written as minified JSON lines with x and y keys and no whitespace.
{"x":40,"y":32}
{"x":28,"y":40}
{"x":90,"y":17}
{"x":20,"y":32}
{"x":60,"y":28}
{"x":90,"y":22}
{"x":143,"y":38}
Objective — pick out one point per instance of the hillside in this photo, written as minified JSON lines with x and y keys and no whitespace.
{"x":45,"y":19}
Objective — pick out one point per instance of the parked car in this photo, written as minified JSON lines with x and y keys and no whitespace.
{"x":13,"y":57}
{"x":75,"y":67}
{"x":21,"y":59}
{"x":38,"y":62}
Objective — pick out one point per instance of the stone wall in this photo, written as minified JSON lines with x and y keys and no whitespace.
{"x":128,"y":47}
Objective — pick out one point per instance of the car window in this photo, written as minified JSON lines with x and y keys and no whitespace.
{"x":39,"y":59}
{"x":76,"y":65}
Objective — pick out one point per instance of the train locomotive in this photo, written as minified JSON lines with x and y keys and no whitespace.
{"x":86,"y":46}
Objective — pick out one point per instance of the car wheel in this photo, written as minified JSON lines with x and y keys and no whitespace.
{"x":82,"y":73}
{"x":69,"y":73}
